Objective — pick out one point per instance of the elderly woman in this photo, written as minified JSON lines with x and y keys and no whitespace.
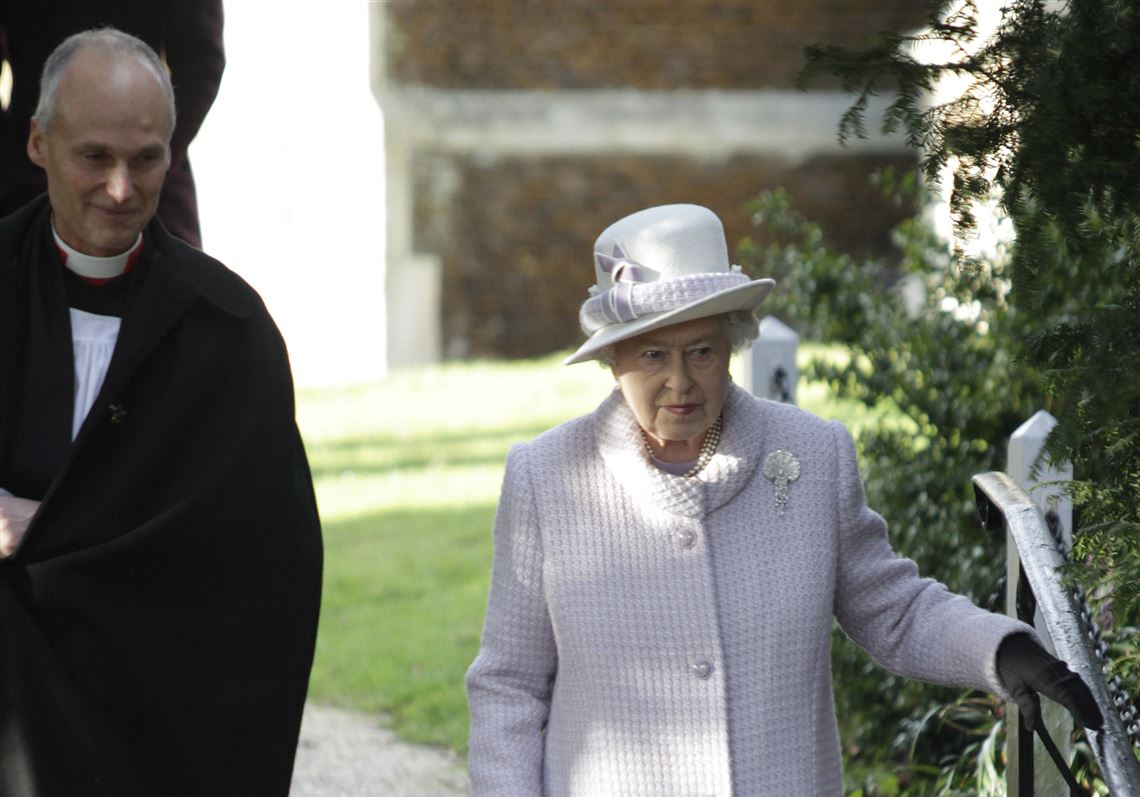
{"x":667,"y":567}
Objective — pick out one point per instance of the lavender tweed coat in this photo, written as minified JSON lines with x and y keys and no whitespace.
{"x":651,"y":635}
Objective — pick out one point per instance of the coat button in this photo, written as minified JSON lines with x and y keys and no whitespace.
{"x":701,"y":668}
{"x":686,"y":538}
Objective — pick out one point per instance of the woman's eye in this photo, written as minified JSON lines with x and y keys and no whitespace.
{"x":654,"y":356}
{"x":701,"y":352}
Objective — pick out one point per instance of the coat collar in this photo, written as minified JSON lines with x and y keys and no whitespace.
{"x":621,"y":448}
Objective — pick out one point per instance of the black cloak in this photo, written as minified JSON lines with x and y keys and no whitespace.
{"x":158,"y":621}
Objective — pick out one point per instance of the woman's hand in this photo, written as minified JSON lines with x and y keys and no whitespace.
{"x":1027,"y":669}
{"x":15,"y":516}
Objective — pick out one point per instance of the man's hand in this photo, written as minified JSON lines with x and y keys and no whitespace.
{"x":15,"y":516}
{"x":1027,"y":669}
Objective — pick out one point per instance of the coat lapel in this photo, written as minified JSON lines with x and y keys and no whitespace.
{"x":740,"y":450}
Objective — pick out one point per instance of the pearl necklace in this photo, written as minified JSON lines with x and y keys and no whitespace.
{"x":708,"y":447}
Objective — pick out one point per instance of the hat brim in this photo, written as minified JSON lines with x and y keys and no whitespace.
{"x":742,"y":297}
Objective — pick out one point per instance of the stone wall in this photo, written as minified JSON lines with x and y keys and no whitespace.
{"x":517,"y":131}
{"x":647,"y":44}
{"x":518,"y":232}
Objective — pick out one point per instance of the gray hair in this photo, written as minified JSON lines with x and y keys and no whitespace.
{"x":110,"y":41}
{"x":740,"y":327}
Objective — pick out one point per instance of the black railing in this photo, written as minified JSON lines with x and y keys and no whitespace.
{"x":1002,"y":502}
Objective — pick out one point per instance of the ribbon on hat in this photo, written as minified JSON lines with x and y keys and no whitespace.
{"x":617,"y":302}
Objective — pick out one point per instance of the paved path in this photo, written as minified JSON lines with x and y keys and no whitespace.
{"x":342,"y":754}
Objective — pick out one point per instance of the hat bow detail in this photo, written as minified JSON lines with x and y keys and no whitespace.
{"x":617,"y":302}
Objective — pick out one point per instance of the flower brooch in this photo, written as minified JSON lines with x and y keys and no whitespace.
{"x":781,"y":467}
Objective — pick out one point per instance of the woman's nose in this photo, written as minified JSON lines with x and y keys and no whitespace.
{"x":679,"y":379}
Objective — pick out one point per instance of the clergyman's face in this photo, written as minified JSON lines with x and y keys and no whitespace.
{"x":107,"y":152}
{"x":674,"y":379}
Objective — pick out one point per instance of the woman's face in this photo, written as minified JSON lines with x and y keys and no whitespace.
{"x":674,"y":379}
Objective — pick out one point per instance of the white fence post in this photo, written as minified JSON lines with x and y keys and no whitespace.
{"x":769,"y":367}
{"x":1025,"y":446}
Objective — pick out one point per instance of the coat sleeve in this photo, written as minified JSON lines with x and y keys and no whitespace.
{"x":913,"y":626}
{"x":509,"y":684}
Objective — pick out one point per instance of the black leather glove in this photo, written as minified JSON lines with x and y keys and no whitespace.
{"x":1027,"y":669}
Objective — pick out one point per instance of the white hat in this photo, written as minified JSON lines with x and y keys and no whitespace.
{"x":661,"y":266}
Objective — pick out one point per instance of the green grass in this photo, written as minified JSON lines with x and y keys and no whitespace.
{"x":407,"y":473}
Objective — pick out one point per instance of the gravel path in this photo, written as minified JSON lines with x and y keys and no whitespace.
{"x":342,"y":754}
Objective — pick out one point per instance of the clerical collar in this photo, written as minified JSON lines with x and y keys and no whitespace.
{"x":96,"y":268}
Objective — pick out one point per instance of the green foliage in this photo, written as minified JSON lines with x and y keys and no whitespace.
{"x":1050,"y":126}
